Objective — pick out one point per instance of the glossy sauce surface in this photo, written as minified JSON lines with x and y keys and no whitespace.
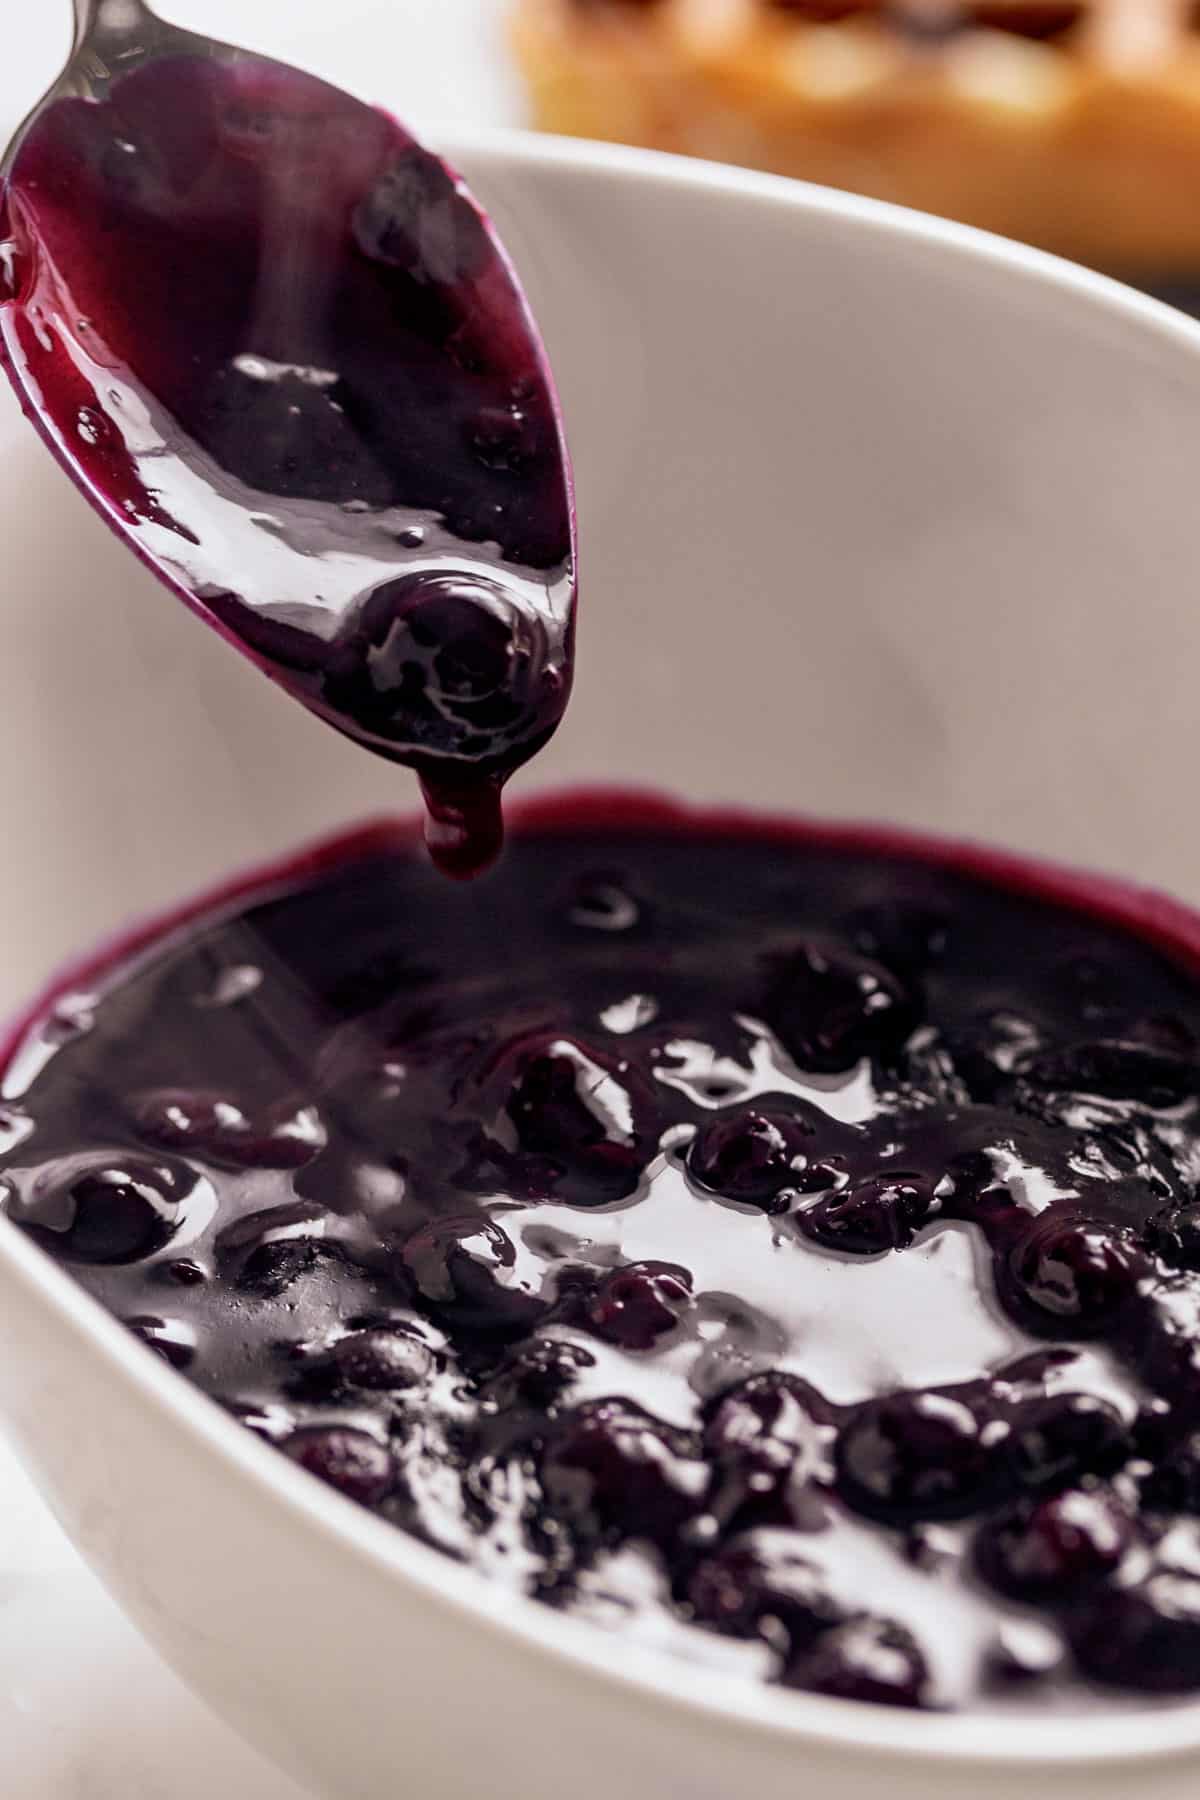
{"x":778,"y":1248}
{"x":283,"y":349}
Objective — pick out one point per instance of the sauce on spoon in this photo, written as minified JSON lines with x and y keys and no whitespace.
{"x":281,"y":348}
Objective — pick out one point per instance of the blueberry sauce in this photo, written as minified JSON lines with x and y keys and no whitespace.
{"x":285,"y":354}
{"x":778,"y":1245}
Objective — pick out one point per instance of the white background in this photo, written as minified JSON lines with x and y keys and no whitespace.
{"x":86,"y":1712}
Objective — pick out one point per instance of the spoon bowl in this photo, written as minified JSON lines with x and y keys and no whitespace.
{"x":281,"y":350}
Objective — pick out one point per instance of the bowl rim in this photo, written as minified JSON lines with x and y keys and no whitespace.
{"x":523,"y":148}
{"x":707,"y":1699}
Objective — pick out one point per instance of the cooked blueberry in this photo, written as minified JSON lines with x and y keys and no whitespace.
{"x":877,"y":1213}
{"x":905,"y":935}
{"x":119,"y":1212}
{"x":383,"y":1356}
{"x":830,"y":1008}
{"x":640,"y":1303}
{"x":1174,"y":1234}
{"x":215,"y":1129}
{"x":415,"y":216}
{"x":540,"y":1372}
{"x":472,"y":646}
{"x":981,"y":1065}
{"x":751,"y":1155}
{"x":864,"y":1659}
{"x":761,"y":1577}
{"x":353,"y":1462}
{"x":265,"y":1252}
{"x":444,"y":664}
{"x":769,"y":1427}
{"x":272,"y":1269}
{"x":1045,"y":1547}
{"x":915,"y":1456}
{"x":180,"y":1120}
{"x":174,"y":1340}
{"x":464,"y":1273}
{"x":1061,"y":1436}
{"x":294,"y":1219}
{"x":1071,"y":1274}
{"x":589,"y":1120}
{"x":1145,"y":1637}
{"x":1117,"y":1071}
{"x":1172,"y":1481}
{"x":184,"y":1272}
{"x":1023,"y":1651}
{"x":611,"y":1466}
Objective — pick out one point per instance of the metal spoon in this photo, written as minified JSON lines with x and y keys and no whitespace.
{"x":278,"y":346}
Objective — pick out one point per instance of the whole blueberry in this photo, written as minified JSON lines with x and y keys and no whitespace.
{"x":1145,"y":1637}
{"x":184,"y":1271}
{"x":463,"y":1272}
{"x":352,"y":1461}
{"x":1172,"y":1482}
{"x":270,"y":1271}
{"x":1056,"y":1438}
{"x":872,"y":1215}
{"x":640,"y":1303}
{"x":119,"y":1212}
{"x":864,"y":1659}
{"x":611,"y":1467}
{"x":907,"y":935}
{"x":386,"y":1357}
{"x":752,"y":1155}
{"x":1042,"y":1548}
{"x":171,"y":1339}
{"x":588,"y":1122}
{"x":538,"y":1373}
{"x":264,"y":1253}
{"x":763,"y":1576}
{"x":767,"y":1435}
{"x":215,"y":1128}
{"x":913,"y":1456}
{"x":1174,"y":1234}
{"x":830,"y":1008}
{"x":1070,"y":1274}
{"x":441,"y":663}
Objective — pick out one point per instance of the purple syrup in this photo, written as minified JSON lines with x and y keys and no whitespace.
{"x":778,"y":1245}
{"x":283,"y":350}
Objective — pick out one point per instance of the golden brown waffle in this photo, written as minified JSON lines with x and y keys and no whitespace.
{"x":1071,"y":125}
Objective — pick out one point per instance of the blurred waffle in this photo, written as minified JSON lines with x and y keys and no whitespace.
{"x":1072,"y":124}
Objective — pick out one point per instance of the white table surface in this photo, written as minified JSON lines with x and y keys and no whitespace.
{"x":87,"y":1712}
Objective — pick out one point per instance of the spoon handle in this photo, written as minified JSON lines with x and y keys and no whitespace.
{"x":101,"y":23}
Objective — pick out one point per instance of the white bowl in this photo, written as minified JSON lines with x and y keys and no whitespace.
{"x":880,"y":518}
